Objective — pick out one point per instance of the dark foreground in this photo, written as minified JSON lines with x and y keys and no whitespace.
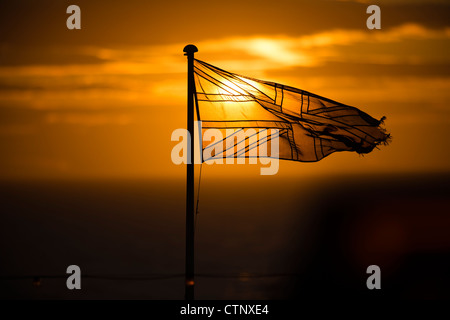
{"x":254,"y":239}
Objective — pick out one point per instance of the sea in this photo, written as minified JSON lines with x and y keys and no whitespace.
{"x":254,"y":239}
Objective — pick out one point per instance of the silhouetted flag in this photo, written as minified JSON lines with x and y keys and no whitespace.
{"x":310,"y":126}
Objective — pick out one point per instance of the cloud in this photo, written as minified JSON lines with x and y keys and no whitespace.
{"x":244,"y":53}
{"x":95,"y":119}
{"x":17,"y":129}
{"x":315,"y":49}
{"x":394,"y":2}
{"x":154,"y":76}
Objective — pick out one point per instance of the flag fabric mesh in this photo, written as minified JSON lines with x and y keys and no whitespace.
{"x":310,"y":127}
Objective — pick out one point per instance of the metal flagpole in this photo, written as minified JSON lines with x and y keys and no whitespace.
{"x":189,"y":272}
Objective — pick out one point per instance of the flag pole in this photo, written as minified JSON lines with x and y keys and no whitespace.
{"x":189,"y":51}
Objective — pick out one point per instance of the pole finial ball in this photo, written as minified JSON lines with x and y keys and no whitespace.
{"x":190,"y":49}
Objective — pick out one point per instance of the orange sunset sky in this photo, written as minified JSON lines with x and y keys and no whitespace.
{"x":102,"y":101}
